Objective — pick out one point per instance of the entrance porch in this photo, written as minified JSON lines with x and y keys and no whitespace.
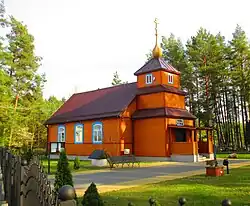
{"x":204,"y":135}
{"x":186,"y":144}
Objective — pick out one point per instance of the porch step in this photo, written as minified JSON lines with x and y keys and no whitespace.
{"x":202,"y":158}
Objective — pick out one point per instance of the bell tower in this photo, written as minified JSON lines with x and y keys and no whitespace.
{"x":156,"y":71}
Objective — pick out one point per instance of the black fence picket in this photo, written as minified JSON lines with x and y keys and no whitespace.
{"x":27,"y":184}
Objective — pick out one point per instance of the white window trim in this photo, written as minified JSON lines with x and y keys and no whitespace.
{"x":79,"y":126}
{"x":149,"y":77}
{"x":169,"y":79}
{"x":53,"y":147}
{"x":99,"y":133}
{"x":60,"y":134}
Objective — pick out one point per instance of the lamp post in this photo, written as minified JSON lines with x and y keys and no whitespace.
{"x":226,"y":163}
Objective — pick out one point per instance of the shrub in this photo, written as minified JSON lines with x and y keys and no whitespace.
{"x":27,"y":154}
{"x":40,"y":151}
{"x":91,"y":197}
{"x":77,"y":163}
{"x":63,"y":174}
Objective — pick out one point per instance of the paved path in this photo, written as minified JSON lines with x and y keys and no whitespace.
{"x":130,"y":177}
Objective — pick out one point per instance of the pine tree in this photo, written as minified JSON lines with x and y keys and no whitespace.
{"x":175,"y":54}
{"x":2,"y":14}
{"x":63,"y":174}
{"x":77,"y":163}
{"x":23,"y":110}
{"x":91,"y":197}
{"x":240,"y":74}
{"x":21,"y":65}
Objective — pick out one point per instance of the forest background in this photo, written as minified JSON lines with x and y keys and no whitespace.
{"x":214,"y":72}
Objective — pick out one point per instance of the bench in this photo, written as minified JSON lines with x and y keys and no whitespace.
{"x":122,"y":160}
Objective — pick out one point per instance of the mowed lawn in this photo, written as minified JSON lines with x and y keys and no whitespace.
{"x":198,"y":190}
{"x":84,"y":166}
{"x":239,"y":156}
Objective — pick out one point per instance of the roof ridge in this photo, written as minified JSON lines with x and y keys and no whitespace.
{"x":119,"y":85}
{"x":147,"y":62}
{"x":167,"y":64}
{"x":156,"y":64}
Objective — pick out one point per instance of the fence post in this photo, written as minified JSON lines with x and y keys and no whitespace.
{"x":226,"y":202}
{"x":182,"y":201}
{"x":66,"y":196}
{"x":21,"y":188}
{"x":1,"y":185}
{"x":151,"y":201}
{"x":8,"y":168}
{"x":2,"y":201}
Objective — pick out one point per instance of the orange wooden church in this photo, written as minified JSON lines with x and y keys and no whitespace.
{"x":146,"y":118}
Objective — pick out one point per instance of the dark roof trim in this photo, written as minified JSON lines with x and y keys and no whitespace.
{"x":163,"y":112}
{"x":62,"y":119}
{"x":160,"y":88}
{"x":156,"y":70}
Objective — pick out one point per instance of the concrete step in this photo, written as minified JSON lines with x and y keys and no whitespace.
{"x":202,"y":158}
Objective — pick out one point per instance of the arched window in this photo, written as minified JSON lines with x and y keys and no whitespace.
{"x":97,"y":133}
{"x":79,"y":133}
{"x":61,"y":133}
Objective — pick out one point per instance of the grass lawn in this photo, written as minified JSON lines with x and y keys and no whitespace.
{"x":239,"y":156}
{"x":198,"y":190}
{"x":85,"y":166}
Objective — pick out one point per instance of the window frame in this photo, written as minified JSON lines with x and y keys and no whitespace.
{"x":58,"y":148}
{"x":149,"y":76}
{"x":53,"y":147}
{"x":93,"y":133}
{"x":58,"y":129}
{"x":75,"y":126}
{"x":172,"y":78}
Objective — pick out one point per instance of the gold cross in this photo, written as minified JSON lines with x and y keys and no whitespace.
{"x":156,"y":23}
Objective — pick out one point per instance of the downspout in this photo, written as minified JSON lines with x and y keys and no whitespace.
{"x":47,"y":147}
{"x":119,"y":143}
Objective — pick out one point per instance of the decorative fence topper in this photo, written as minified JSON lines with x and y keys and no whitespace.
{"x":182,"y":202}
{"x":26,"y":184}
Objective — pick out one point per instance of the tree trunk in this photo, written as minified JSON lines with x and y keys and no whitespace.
{"x":236,"y":122}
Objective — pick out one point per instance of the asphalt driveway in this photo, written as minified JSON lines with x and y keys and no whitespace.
{"x":116,"y":176}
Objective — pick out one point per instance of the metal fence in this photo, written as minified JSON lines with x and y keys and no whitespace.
{"x":182,"y":202}
{"x":27,"y":184}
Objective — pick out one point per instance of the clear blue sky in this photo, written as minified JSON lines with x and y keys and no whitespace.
{"x":84,"y":42}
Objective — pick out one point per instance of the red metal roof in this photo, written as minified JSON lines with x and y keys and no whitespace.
{"x":101,"y":103}
{"x":111,"y":102}
{"x":156,"y":64}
